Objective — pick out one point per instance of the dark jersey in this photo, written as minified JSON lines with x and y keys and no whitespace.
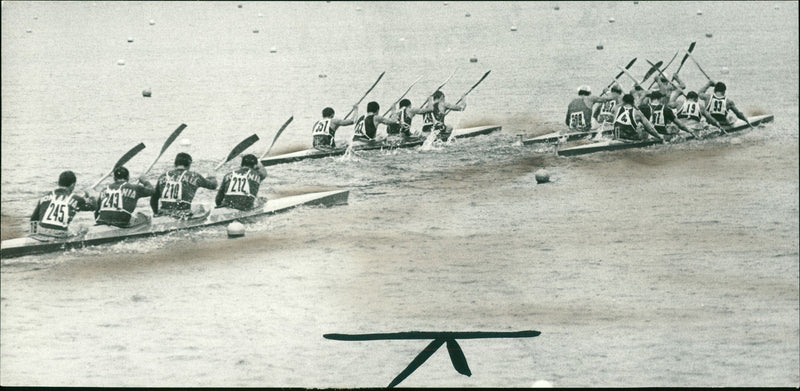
{"x":365,"y":128}
{"x":118,"y":201}
{"x":239,"y":189}
{"x":579,"y":115}
{"x":625,"y":124}
{"x":660,"y":116}
{"x":176,"y":189}
{"x":55,"y":211}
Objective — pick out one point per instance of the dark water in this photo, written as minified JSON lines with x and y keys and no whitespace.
{"x":672,"y":266}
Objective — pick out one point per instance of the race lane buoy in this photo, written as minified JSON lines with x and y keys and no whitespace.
{"x":542,"y":176}
{"x":473,"y":59}
{"x":273,"y":49}
{"x":709,"y":35}
{"x":255,"y":31}
{"x":235,"y":230}
{"x":699,"y":12}
{"x":542,"y":384}
{"x":185,"y":142}
{"x":358,"y":8}
{"x":556,"y":8}
{"x":600,"y":47}
{"x":611,"y":20}
{"x":146,"y":93}
{"x":260,"y":15}
{"x":467,"y":15}
{"x":120,"y":62}
{"x":239,"y":6}
{"x":725,"y":70}
{"x":513,"y":28}
{"x":130,"y":40}
{"x":28,"y":31}
{"x":152,"y":22}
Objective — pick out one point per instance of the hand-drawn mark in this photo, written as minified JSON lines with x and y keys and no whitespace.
{"x":439,"y":338}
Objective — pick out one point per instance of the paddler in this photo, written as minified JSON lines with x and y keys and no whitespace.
{"x":604,"y":115}
{"x":239,"y":188}
{"x":579,"y":111}
{"x":367,"y":125}
{"x":55,"y":210}
{"x":117,"y":201}
{"x":718,"y":104}
{"x":670,"y":89}
{"x":403,"y":116}
{"x":438,"y":110}
{"x":176,"y":188}
{"x":627,"y":120}
{"x":692,"y":112}
{"x":324,"y":130}
{"x":661,"y":116}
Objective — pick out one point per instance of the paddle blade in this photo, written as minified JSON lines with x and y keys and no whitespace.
{"x":285,"y":124}
{"x":129,"y":155}
{"x":172,"y":137}
{"x":246,"y":143}
{"x":417,"y":361}
{"x":457,"y":357}
{"x":652,"y":70}
{"x":630,"y":64}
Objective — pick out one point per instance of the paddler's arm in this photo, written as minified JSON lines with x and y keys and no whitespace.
{"x":647,"y":125}
{"x":706,"y":86}
{"x":209,"y":183}
{"x":459,"y":107}
{"x":347,"y":122}
{"x":144,"y":188}
{"x":669,"y":117}
{"x":156,"y":195}
{"x":385,"y":121}
{"x":680,"y":84}
{"x":35,"y":214}
{"x":710,"y":119}
{"x":221,"y":192}
{"x":732,"y":107}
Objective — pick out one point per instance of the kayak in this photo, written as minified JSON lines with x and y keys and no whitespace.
{"x":561,"y":137}
{"x":313,"y":153}
{"x":615,"y":145}
{"x":100,"y":234}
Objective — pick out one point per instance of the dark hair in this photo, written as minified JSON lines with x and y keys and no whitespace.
{"x":656,"y":95}
{"x":183,"y":159}
{"x":405,"y":103}
{"x":627,"y":98}
{"x":616,"y":89}
{"x":327,"y":112}
{"x":663,"y":79}
{"x":249,"y":160}
{"x":373,"y":107}
{"x":720,"y":87}
{"x":67,"y":179}
{"x":691,"y":95}
{"x":121,"y":173}
{"x":438,"y":94}
{"x":584,"y":93}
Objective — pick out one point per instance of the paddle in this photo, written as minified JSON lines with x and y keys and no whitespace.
{"x":401,"y":96}
{"x":121,"y":162}
{"x":465,"y":95}
{"x":166,"y":145}
{"x":698,"y":66}
{"x":417,"y":361}
{"x":437,"y":89}
{"x":630,"y":64}
{"x":670,"y":63}
{"x":652,"y":70}
{"x":365,"y":94}
{"x":677,"y":87}
{"x":689,"y":52}
{"x":285,"y":124}
{"x":239,"y":148}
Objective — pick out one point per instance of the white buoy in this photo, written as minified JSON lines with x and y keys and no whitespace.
{"x":699,"y":12}
{"x":260,"y":15}
{"x":542,"y":384}
{"x":473,"y":59}
{"x":513,"y":28}
{"x":358,"y":8}
{"x":120,"y":62}
{"x":273,"y":49}
{"x":147,"y":93}
{"x":130,"y":39}
{"x":239,"y":6}
{"x":725,"y":70}
{"x":235,"y":230}
{"x":556,"y":8}
{"x":28,"y":31}
{"x":185,"y":142}
{"x":322,"y":75}
{"x":445,"y":3}
{"x":37,"y":18}
{"x":255,"y":31}
{"x":600,"y":47}
{"x":611,"y":20}
{"x":777,"y":7}
{"x":467,"y":15}
{"x":152,"y":22}
{"x":709,"y":35}
{"x":542,"y":176}
{"x":402,"y":39}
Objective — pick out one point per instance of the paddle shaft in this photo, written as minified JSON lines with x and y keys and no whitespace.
{"x":686,"y":56}
{"x":630,"y":64}
{"x":285,"y":124}
{"x":365,"y":94}
{"x":239,"y":148}
{"x":166,"y":145}
{"x":698,"y":66}
{"x":401,"y":96}
{"x":677,"y":87}
{"x":469,"y":90}
{"x":437,"y":89}
{"x":121,"y":162}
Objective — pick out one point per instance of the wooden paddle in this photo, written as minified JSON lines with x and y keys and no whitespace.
{"x":689,"y":52}
{"x":239,"y":148}
{"x":166,"y":145}
{"x":365,"y":94}
{"x":653,"y":70}
{"x":121,"y":162}
{"x":465,"y":95}
{"x":630,"y":64}
{"x":698,"y":66}
{"x":285,"y":124}
{"x":437,"y":89}
{"x":401,"y":96}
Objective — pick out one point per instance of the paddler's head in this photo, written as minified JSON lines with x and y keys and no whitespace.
{"x":328,"y":112}
{"x":183,"y":159}
{"x":663,"y":79}
{"x":655,"y":98}
{"x":627,"y":99}
{"x":584,"y":90}
{"x":616,"y":89}
{"x":121,"y":174}
{"x":249,"y":161}
{"x":405,"y":103}
{"x":373,"y":107}
{"x":719,"y":88}
{"x":691,"y":95}
{"x":438,"y":96}
{"x":67,"y":179}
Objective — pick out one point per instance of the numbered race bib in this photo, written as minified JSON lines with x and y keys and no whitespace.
{"x":112,"y":200}
{"x":57,"y":213}
{"x":576,"y":120}
{"x":239,"y":185}
{"x":321,"y":127}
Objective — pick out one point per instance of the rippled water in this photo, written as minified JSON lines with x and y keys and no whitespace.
{"x":671,"y":266}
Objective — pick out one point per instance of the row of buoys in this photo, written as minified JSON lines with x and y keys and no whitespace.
{"x":473,"y":59}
